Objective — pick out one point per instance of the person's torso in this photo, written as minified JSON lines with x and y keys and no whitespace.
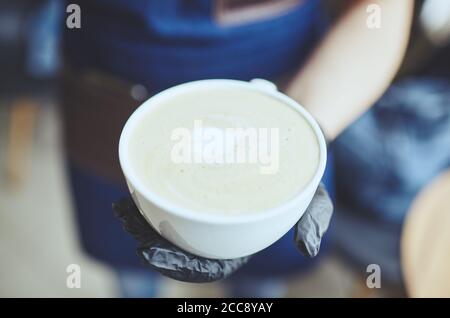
{"x":164,"y":43}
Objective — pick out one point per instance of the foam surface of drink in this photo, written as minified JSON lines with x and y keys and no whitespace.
{"x":229,"y":187}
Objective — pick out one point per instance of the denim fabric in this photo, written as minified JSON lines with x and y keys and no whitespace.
{"x":382,"y":161}
{"x":163,"y":43}
{"x":43,"y":39}
{"x":396,"y":148}
{"x":101,"y":233}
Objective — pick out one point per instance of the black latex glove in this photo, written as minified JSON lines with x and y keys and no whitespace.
{"x":170,"y":260}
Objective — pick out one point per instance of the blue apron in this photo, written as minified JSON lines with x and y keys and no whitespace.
{"x":163,"y":43}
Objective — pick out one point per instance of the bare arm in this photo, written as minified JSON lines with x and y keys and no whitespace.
{"x":353,"y":65}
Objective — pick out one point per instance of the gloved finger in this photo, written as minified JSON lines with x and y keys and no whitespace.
{"x":178,"y":264}
{"x":314,"y":223}
{"x":133,"y":221}
{"x":166,"y":258}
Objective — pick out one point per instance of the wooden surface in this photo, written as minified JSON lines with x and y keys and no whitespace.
{"x":21,"y":124}
{"x":425,"y":246}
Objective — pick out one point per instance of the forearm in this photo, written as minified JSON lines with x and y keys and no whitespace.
{"x":353,"y":65}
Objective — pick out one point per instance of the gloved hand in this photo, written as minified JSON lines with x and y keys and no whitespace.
{"x":168,"y":259}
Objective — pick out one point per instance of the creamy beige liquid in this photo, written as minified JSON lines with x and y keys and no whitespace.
{"x":227,"y":187}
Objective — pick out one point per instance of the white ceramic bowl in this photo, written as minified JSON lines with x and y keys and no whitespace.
{"x":213,"y":235}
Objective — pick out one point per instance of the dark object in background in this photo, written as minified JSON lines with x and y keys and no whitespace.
{"x":400,"y":145}
{"x":424,"y":56}
{"x":12,"y":39}
{"x":29,"y":43}
{"x":29,"y":60}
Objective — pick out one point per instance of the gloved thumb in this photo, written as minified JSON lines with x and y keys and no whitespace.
{"x":313,"y":224}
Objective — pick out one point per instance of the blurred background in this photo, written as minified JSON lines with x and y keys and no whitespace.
{"x":390,"y":172}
